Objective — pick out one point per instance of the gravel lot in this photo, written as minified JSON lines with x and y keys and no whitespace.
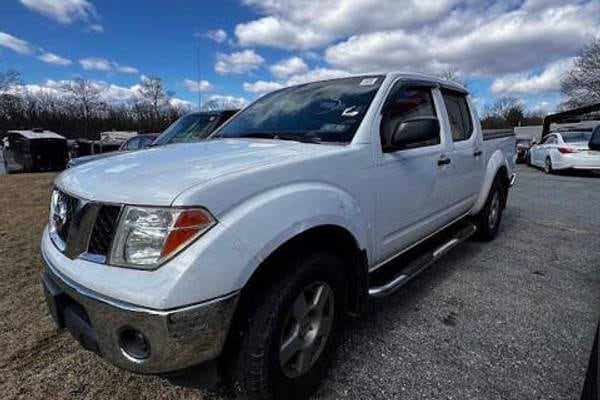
{"x":511,"y":319}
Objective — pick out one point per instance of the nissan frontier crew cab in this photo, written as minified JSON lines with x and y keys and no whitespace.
{"x":250,"y":249}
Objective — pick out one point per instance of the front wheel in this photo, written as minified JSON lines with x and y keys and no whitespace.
{"x":289,"y":334}
{"x":548,"y":166}
{"x":488,"y":219}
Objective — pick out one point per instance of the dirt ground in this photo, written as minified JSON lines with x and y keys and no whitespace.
{"x":36,"y":361}
{"x":511,"y":319}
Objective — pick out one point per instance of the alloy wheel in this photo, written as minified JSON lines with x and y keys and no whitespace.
{"x":494,"y":213}
{"x":306,"y":329}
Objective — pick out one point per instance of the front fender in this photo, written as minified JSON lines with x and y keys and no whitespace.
{"x":269,"y":219}
{"x":496,"y":161}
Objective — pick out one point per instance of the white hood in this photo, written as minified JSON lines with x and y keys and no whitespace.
{"x":157,"y":175}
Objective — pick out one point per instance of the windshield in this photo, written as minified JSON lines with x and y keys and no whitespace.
{"x":189,"y":128}
{"x":329,"y":111}
{"x":570,"y":137}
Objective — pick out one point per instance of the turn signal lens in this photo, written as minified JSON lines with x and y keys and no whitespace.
{"x":188,"y":226}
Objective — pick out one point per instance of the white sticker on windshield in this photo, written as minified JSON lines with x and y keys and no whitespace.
{"x":351,"y":111}
{"x":368,"y":82}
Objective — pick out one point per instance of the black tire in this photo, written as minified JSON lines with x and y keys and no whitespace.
{"x":489,"y":218}
{"x":548,"y":166}
{"x":253,"y":368}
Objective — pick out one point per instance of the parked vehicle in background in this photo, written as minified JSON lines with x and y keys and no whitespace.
{"x":594,"y":143}
{"x":187,"y":129}
{"x":252,"y":247}
{"x":523,"y":146}
{"x":117,"y":136}
{"x":34,"y":151}
{"x":565,"y":150}
{"x":194,"y":127}
{"x":138,"y":142}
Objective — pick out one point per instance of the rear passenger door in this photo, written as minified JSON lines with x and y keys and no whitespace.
{"x":466,"y":154}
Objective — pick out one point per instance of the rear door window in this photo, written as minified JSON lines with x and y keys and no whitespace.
{"x":459,"y":115}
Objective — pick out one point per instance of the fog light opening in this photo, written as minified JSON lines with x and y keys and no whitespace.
{"x":135,"y":344}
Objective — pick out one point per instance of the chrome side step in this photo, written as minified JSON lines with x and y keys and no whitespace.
{"x":421,"y":262}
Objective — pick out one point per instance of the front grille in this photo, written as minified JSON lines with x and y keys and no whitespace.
{"x":87,"y":228}
{"x":104,"y":230}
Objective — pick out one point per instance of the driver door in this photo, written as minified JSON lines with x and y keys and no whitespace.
{"x":410,"y":181}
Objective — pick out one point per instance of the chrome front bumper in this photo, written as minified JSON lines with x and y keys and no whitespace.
{"x":176,"y":339}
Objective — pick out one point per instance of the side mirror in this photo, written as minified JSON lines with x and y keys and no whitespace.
{"x":595,"y":139}
{"x":416,"y":130}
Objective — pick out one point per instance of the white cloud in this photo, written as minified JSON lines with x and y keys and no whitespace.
{"x":52,"y":58}
{"x":16,"y":44}
{"x":94,"y":63}
{"x":63,"y":11}
{"x":262,"y":86}
{"x":317,"y":74}
{"x":98,"y":28}
{"x":102,"y":64}
{"x":195,"y":86}
{"x":527,"y":83}
{"x":293,"y":24}
{"x":126,"y":69}
{"x":238,"y":63}
{"x":496,"y":41}
{"x":176,"y":102}
{"x":218,"y":35}
{"x":280,"y":33}
{"x":290,"y":66}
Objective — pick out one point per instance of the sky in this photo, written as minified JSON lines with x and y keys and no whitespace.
{"x":240,"y":49}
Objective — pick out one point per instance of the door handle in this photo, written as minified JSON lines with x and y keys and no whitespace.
{"x":443,"y":161}
{"x":477,"y":153}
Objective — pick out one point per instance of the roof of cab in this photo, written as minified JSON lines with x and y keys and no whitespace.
{"x":31,"y":134}
{"x":420,"y":78}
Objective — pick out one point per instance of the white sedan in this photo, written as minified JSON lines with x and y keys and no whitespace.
{"x":565,"y":150}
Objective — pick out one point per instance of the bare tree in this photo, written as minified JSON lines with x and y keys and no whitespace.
{"x":582,"y":83}
{"x":154,"y":92}
{"x":452,"y":74}
{"x":79,"y":110}
{"x":85,"y":96}
{"x":8,"y":80}
{"x":505,"y":112}
{"x":220,"y":103}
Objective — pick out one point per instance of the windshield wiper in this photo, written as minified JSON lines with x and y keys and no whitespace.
{"x":282,"y":136}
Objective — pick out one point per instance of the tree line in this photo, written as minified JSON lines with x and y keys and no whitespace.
{"x":78,"y":109}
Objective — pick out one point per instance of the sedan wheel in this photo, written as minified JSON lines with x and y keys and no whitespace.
{"x":548,"y":166}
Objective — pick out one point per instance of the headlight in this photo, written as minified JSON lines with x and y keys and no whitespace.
{"x":148,"y":236}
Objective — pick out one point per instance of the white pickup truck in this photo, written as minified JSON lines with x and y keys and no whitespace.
{"x":251,"y":248}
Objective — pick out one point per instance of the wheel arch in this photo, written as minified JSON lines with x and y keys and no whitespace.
{"x":329,"y":237}
{"x":497,"y":166}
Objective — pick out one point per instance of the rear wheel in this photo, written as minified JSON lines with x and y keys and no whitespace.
{"x":289,"y":333}
{"x":548,"y":166}
{"x":488,"y":219}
